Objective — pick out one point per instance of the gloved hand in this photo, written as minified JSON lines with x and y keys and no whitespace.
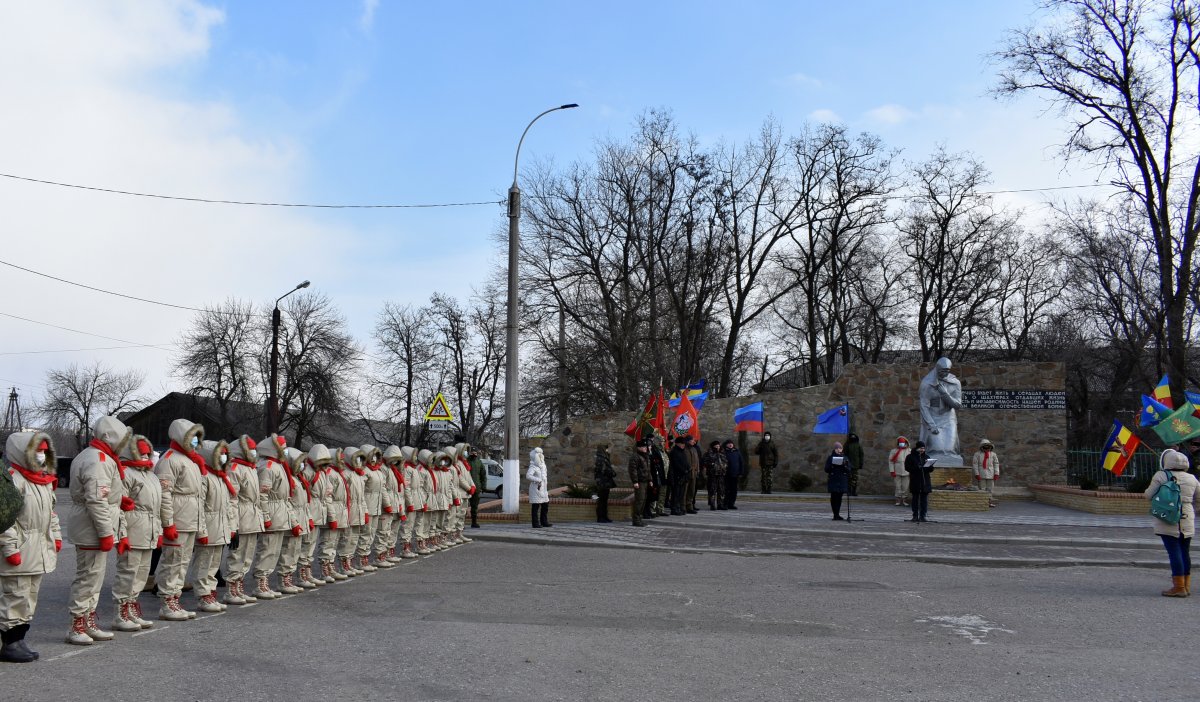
{"x":127,"y":503}
{"x":977,"y":477}
{"x":311,"y":525}
{"x":457,"y":502}
{"x":388,"y":509}
{"x":996,"y":476}
{"x":412,"y":508}
{"x":404,"y":517}
{"x":57,"y":545}
{"x":296,"y":530}
{"x":203,"y":540}
{"x":14,"y":559}
{"x":107,"y":543}
{"x":267,"y":524}
{"x":425,"y":508}
{"x":333,"y":524}
{"x":158,"y":544}
{"x":122,"y":546}
{"x":893,"y":474}
{"x":366,"y":518}
{"x":171,"y":532}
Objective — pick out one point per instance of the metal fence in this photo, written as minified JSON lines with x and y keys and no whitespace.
{"x":1088,"y":463}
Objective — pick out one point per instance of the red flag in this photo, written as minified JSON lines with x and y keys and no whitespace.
{"x":660,"y":421}
{"x":650,"y":418}
{"x":687,"y":419}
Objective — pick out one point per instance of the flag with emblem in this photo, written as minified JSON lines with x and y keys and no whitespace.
{"x":1179,"y":426}
{"x":651,"y":419}
{"x":834,"y":421}
{"x":1153,"y":411}
{"x":1119,"y":448}
{"x":687,"y":419}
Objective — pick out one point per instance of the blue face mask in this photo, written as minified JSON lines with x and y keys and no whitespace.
{"x":195,"y":441}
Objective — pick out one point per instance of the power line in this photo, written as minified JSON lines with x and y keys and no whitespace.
{"x":94,"y":348}
{"x":162,"y":347}
{"x":215,"y":201}
{"x":110,"y":292}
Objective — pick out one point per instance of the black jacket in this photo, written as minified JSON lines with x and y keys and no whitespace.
{"x":735,"y":462}
{"x":919,"y":479}
{"x":678,"y":462}
{"x":839,"y":476}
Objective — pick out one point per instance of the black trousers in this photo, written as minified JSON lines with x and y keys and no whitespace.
{"x":731,"y":489}
{"x":538,"y":513}
{"x":920,"y":505}
{"x":602,"y":503}
{"x":678,"y":492}
{"x":835,"y":501}
{"x":475,"y":507}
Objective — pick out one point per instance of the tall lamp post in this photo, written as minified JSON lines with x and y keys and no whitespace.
{"x":512,"y":424}
{"x":273,"y":396}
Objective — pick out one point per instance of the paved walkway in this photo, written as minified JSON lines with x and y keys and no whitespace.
{"x":1016,"y":534}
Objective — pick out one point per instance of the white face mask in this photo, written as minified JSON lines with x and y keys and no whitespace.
{"x":195,"y":441}
{"x":41,"y":457}
{"x":224,"y":459}
{"x":253,"y":455}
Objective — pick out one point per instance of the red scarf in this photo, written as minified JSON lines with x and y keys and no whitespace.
{"x":896,"y":454}
{"x":195,"y":457}
{"x":399,"y":475}
{"x":432,"y":476}
{"x":986,"y":456}
{"x":243,"y":462}
{"x":38,"y":478}
{"x":140,"y":465}
{"x":345,"y":487}
{"x":304,"y":483}
{"x":106,"y":450}
{"x":288,"y":471}
{"x":228,"y":484}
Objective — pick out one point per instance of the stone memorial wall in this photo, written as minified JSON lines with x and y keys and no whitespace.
{"x":1020,"y":407}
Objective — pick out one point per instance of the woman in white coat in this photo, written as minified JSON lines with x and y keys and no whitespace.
{"x":539,"y":491}
{"x":1177,"y":538}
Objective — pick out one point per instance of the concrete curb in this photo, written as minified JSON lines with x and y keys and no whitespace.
{"x":971,"y":561}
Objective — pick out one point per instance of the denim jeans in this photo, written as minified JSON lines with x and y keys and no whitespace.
{"x":1178,"y":551}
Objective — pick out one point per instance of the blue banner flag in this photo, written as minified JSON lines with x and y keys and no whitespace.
{"x":834,"y":421}
{"x":749,"y":418}
{"x":1153,"y":411}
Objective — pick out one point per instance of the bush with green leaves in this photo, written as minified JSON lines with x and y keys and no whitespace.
{"x":799,"y":482}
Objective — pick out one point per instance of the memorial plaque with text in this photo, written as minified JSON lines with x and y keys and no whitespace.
{"x":1015,"y":399}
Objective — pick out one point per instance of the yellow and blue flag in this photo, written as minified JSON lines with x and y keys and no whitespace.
{"x":1119,"y":448}
{"x":1153,"y":411}
{"x":1162,"y":392}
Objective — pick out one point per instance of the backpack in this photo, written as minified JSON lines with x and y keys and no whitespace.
{"x":11,"y":500}
{"x":1166,"y":503}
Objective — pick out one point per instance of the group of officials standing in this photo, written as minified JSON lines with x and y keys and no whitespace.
{"x":262,"y":508}
{"x":665,"y":482}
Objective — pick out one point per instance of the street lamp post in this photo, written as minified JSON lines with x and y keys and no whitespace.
{"x":512,"y":423}
{"x":273,"y":396}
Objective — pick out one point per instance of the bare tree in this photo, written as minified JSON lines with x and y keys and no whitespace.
{"x":404,"y":340}
{"x":1124,"y":73}
{"x":219,"y":355}
{"x":78,"y":394}
{"x":472,"y":356}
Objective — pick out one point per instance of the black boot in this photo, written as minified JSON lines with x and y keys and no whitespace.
{"x":533,"y":511}
{"x":15,"y":650}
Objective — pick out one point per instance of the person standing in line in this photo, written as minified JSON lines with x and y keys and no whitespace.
{"x":180,"y":472}
{"x":337,"y":520}
{"x":854,"y":453}
{"x":479,"y":476}
{"x":1177,"y":538}
{"x":312,"y":476}
{"x":606,"y":480}
{"x":768,"y":458}
{"x":714,"y":465}
{"x":659,"y":465}
{"x":243,"y":471}
{"x":218,"y":509}
{"x":539,"y":490}
{"x":679,"y":467}
{"x":658,"y":482}
{"x":839,"y":470}
{"x":373,"y":479}
{"x":693,"y":456}
{"x":639,"y":477}
{"x":733,"y":473}
{"x":97,"y":496}
{"x":141,"y":531}
{"x":414,"y":500}
{"x":987,"y":469}
{"x":29,"y":548}
{"x":299,"y":499}
{"x":276,"y":489}
{"x":354,"y":475}
{"x":898,"y":473}
{"x":920,"y":481}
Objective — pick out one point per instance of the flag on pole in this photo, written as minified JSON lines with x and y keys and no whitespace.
{"x":692,"y":389}
{"x":1153,"y":411}
{"x":687,"y":419}
{"x":651,"y":418}
{"x":698,"y":399}
{"x":749,"y":418}
{"x":1179,"y":426}
{"x":1194,"y":398}
{"x":834,"y":421}
{"x":1119,"y":448}
{"x":1162,"y":392}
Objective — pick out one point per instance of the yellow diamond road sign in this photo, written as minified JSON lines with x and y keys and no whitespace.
{"x":439,"y":410}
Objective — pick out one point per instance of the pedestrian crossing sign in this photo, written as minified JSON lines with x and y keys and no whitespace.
{"x":439,"y":411}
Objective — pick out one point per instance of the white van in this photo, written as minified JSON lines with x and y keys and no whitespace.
{"x":495,"y":477}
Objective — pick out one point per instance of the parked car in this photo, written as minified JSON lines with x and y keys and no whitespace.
{"x":495,"y":477}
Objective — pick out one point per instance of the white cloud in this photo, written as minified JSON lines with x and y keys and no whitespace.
{"x":890,"y":114}
{"x":804,"y":80}
{"x":825,"y":116}
{"x":367,"y":19}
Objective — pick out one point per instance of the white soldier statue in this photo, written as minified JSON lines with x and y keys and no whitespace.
{"x":940,"y":396}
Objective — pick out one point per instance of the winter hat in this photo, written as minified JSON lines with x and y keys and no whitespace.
{"x":837,"y":446}
{"x":902,"y":441}
{"x":919,"y":444}
{"x":985,"y":444}
{"x":45,"y":445}
{"x":1174,"y":460}
{"x":852,"y":437}
{"x":715,"y":444}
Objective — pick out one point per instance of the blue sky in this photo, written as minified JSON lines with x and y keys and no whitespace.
{"x":403,"y":102}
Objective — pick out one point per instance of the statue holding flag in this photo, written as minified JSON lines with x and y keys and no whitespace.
{"x":940,"y":395}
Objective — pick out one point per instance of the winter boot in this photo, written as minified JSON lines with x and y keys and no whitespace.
{"x":124,"y":620}
{"x":78,"y":632}
{"x":231,"y":593}
{"x":1178,"y":590}
{"x":331,"y":575}
{"x":1187,"y":583}
{"x":15,"y":650}
{"x":347,"y":567}
{"x":407,"y":552}
{"x":170,"y":611}
{"x":392,"y":555}
{"x":135,"y":613}
{"x":94,"y":630}
{"x":317,"y":581}
{"x":243,"y":594}
{"x":381,"y":560}
{"x":463,"y":537}
{"x":287,"y":584}
{"x":364,"y":564}
{"x":264,"y":591}
{"x":186,"y":612}
{"x":423,"y":547}
{"x":209,"y":604}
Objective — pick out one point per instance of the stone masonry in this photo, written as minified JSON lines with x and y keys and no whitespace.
{"x":883,"y":405}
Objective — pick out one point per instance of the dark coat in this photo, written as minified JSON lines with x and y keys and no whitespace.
{"x":768,"y":453}
{"x":639,"y":468}
{"x":658,"y":474}
{"x":606,"y":477}
{"x":734,"y":457}
{"x":678,"y":461}
{"x":839,"y":476}
{"x":854,"y":451}
{"x":920,"y":479}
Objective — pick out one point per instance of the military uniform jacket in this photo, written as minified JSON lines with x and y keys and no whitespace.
{"x":466,"y":486}
{"x":356,"y":504}
{"x":373,"y":480}
{"x":96,"y":491}
{"x":300,"y":500}
{"x":339,"y":493}
{"x":318,"y":506}
{"x":181,"y":481}
{"x":414,"y":488}
{"x":36,"y":529}
{"x":250,"y":506}
{"x":142,"y":525}
{"x":276,"y":489}
{"x":219,"y":509}
{"x":714,"y":463}
{"x":639,"y":468}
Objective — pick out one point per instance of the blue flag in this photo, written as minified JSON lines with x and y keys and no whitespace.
{"x":1153,"y":411}
{"x":834,"y":421}
{"x":697,"y":399}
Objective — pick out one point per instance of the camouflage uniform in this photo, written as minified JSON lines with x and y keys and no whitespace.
{"x":639,"y":476}
{"x":768,"y":458}
{"x":715,"y":463}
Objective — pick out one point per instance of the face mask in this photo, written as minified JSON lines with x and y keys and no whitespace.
{"x":253,"y":455}
{"x":195,"y":441}
{"x":224,"y":459}
{"x":41,"y":458}
{"x":767,"y":437}
{"x":358,"y":461}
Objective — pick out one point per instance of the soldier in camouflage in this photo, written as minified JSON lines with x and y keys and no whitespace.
{"x":768,"y":458}
{"x":639,"y":477}
{"x":714,"y":464}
